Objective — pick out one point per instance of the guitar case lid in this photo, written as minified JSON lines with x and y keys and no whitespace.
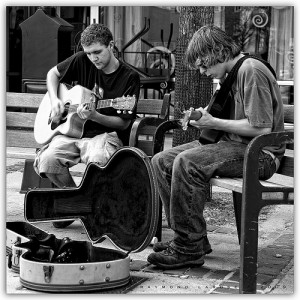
{"x":118,"y":201}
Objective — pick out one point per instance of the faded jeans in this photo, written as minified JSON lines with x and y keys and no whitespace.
{"x":183,"y":172}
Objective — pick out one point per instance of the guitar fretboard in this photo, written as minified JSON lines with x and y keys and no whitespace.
{"x":121,"y":103}
{"x":100,"y":104}
{"x":104,"y":103}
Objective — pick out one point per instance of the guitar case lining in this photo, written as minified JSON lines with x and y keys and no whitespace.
{"x":118,"y":201}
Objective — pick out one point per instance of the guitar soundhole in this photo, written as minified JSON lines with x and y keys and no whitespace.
{"x":55,"y":125}
{"x":63,"y":119}
{"x":65,"y":113}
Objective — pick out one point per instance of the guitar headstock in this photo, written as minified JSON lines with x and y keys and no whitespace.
{"x":190,"y":114}
{"x":186,"y":118}
{"x":124,"y":104}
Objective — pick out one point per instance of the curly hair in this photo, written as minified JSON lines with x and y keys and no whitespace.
{"x":209,"y":46}
{"x":96,"y":33}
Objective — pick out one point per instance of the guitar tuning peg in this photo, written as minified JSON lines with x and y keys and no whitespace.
{"x":118,"y":111}
{"x":130,"y":112}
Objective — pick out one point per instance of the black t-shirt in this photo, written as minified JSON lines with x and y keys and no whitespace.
{"x":78,"y":69}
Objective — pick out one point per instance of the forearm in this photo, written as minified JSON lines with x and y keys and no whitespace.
{"x":239,"y":127}
{"x":110,"y":121}
{"x":53,"y":82}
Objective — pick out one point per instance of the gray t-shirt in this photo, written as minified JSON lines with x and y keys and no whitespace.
{"x":257,"y":97}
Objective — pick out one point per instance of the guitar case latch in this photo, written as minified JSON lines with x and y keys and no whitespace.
{"x":48,"y":270}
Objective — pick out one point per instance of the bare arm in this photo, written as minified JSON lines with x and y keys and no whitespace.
{"x":240,"y":127}
{"x":110,"y":121}
{"x":114,"y":122}
{"x":52,"y":86}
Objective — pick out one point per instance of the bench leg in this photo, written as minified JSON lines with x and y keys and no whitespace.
{"x":237,"y":204}
{"x":31,"y":180}
{"x":249,"y":244}
{"x":158,"y":233}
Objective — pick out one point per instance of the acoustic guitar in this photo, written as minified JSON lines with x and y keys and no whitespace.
{"x":217,"y":108}
{"x":219,"y":105}
{"x":70,"y":123}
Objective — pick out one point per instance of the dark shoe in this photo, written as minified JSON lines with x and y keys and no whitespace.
{"x":160,"y":246}
{"x":171,"y":259}
{"x":62,"y":224}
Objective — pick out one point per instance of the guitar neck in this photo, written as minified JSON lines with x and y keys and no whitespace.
{"x":104,"y":103}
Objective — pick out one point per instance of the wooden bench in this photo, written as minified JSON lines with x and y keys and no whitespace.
{"x":251,"y":194}
{"x":21,"y":111}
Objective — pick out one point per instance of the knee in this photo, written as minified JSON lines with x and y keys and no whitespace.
{"x":182,"y":162}
{"x":162,"y":163}
{"x":190,"y":169}
{"x":155,"y":159}
{"x":48,"y":157}
{"x":157,"y":162}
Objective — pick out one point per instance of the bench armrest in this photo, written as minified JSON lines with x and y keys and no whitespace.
{"x":252,"y":152}
{"x":161,"y":131}
{"x":139,"y":125}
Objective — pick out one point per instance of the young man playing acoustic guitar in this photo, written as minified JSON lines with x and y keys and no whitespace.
{"x":255,"y":108}
{"x":104,"y":130}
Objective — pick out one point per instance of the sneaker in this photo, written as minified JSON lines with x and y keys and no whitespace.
{"x":62,"y":224}
{"x":160,"y":246}
{"x":171,"y":259}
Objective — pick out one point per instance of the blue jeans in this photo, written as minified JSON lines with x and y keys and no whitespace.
{"x":183,"y":172}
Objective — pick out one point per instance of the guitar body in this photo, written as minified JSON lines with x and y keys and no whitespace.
{"x":71,"y":125}
{"x":219,"y":109}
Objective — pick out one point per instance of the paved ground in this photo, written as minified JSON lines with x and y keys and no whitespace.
{"x":219,"y":274}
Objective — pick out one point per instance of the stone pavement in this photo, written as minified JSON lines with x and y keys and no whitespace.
{"x":219,"y":274}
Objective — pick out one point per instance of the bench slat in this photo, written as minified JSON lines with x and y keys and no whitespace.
{"x":23,"y":100}
{"x":286,"y":166}
{"x":145,"y":146}
{"x":149,"y":106}
{"x":22,"y":154}
{"x":288,"y":113}
{"x":279,"y":180}
{"x":277,"y":196}
{"x":18,"y":119}
{"x":289,"y":127}
{"x":236,"y":184}
{"x":147,"y":130}
{"x":17,"y":138}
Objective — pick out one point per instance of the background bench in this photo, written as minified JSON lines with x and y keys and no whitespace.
{"x":251,"y":194}
{"x":21,"y":111}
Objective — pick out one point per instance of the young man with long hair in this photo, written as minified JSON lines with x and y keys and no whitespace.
{"x":255,"y":108}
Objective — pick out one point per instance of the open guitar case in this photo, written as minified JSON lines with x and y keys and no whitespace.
{"x":116,"y":202}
